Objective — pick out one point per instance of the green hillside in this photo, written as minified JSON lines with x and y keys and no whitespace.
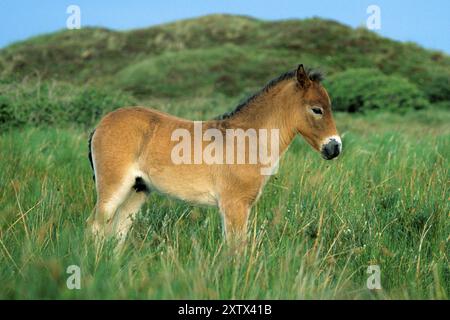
{"x":218,"y":54}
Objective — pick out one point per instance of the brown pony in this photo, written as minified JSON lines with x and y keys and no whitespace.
{"x":135,"y":151}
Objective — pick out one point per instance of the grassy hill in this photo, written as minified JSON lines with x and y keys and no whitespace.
{"x":218,"y":54}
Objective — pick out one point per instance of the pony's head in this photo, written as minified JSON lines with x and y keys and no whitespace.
{"x":313,"y":114}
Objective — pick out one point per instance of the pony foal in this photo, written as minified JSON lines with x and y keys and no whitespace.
{"x":132,"y":149}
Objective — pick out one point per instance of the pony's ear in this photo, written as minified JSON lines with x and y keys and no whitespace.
{"x":302,"y":77}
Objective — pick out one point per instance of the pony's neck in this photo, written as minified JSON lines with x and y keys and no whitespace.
{"x":268,"y":110}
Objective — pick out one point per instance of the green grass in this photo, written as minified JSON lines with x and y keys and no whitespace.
{"x":314,"y":232}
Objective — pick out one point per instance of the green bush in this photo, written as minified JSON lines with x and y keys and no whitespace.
{"x":360,"y":90}
{"x":53,"y":103}
{"x":437,"y":86}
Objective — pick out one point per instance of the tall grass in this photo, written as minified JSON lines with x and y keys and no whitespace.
{"x":314,"y":232}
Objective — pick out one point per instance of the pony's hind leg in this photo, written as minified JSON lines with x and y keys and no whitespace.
{"x":127,"y":212}
{"x":112,"y":191}
{"x":115,"y":148}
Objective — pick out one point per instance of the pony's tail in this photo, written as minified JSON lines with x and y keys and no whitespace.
{"x":90,"y":153}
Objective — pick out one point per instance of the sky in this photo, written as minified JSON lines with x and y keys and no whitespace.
{"x":424,"y":22}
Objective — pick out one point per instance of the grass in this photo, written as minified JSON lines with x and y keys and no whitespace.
{"x":314,"y":232}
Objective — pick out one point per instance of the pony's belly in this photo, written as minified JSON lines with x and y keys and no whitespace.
{"x":189,"y":192}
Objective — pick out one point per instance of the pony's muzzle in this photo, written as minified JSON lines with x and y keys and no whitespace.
{"x":331,"y":148}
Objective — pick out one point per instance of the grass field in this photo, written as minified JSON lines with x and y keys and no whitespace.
{"x":314,"y":232}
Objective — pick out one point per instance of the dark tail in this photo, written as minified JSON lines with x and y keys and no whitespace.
{"x":90,"y":153}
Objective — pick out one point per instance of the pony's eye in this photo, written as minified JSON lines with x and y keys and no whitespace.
{"x":317,"y":110}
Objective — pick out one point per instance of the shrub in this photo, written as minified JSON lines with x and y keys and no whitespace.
{"x":437,"y":86}
{"x":360,"y":90}
{"x":53,"y":103}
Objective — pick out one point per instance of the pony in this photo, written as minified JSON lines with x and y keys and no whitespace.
{"x":132,"y":153}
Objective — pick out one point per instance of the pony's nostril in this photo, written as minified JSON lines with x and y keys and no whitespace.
{"x":331,"y":149}
{"x":336,"y":149}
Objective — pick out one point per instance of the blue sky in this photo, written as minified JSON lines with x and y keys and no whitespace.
{"x":424,"y":22}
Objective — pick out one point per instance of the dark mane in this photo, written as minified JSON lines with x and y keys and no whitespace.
{"x":314,"y":75}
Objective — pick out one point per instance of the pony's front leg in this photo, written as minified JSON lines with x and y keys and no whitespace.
{"x":235,"y":217}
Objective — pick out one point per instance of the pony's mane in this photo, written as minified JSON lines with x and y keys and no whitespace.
{"x":314,"y":75}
